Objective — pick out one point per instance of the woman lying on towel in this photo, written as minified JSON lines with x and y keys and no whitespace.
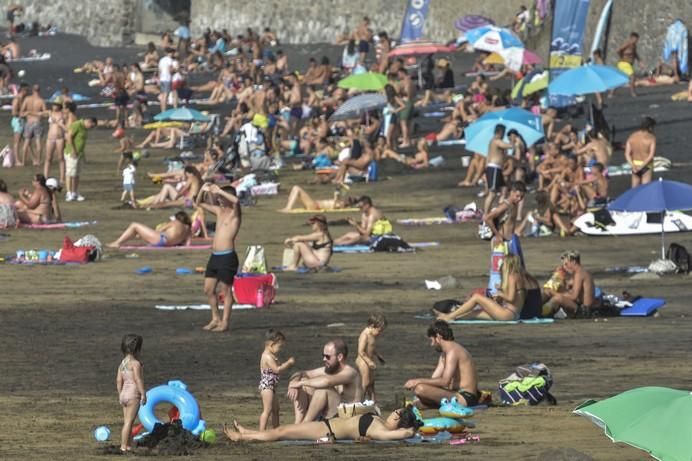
{"x":399,"y":425}
{"x":39,"y":206}
{"x":506,"y":304}
{"x":175,"y":232}
{"x":335,"y":203}
{"x":315,"y":249}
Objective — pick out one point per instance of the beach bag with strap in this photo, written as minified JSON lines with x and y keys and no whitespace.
{"x":391,"y":243}
{"x":530,"y":384}
{"x":7,"y":157}
{"x":255,"y":262}
{"x":679,"y":255}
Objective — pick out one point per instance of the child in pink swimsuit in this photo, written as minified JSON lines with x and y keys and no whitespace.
{"x":130,"y":386}
{"x":270,"y":368}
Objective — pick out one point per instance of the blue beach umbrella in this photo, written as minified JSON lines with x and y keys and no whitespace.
{"x":359,"y":105}
{"x":481,"y":132}
{"x":656,"y":197}
{"x":493,"y":39}
{"x":590,"y":78}
{"x":182,"y":114}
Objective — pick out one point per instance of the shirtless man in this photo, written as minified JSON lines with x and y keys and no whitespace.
{"x":295,"y":102}
{"x":493,"y":170}
{"x":223,"y":263}
{"x":454,"y":376}
{"x":319,"y":392}
{"x":367,"y":353}
{"x":548,"y":121}
{"x":33,"y":108}
{"x":370,"y":215}
{"x":363,"y":36}
{"x":18,"y":121}
{"x":503,"y":219}
{"x":11,"y":51}
{"x":580,"y":299}
{"x":597,"y":148}
{"x":628,"y":55}
{"x":640,"y":150}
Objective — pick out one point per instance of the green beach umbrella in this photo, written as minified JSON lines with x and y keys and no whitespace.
{"x":538,"y":83}
{"x":657,"y":420}
{"x":369,"y":81}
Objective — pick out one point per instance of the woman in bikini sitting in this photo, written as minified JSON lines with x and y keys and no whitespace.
{"x":175,"y":232}
{"x":313,"y":250}
{"x":55,"y":141}
{"x":399,"y":425}
{"x":39,"y":206}
{"x":182,"y":194}
{"x":507,"y":302}
{"x":335,"y":203}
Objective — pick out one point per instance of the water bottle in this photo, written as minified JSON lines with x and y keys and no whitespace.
{"x":259,"y":301}
{"x":372,"y":171}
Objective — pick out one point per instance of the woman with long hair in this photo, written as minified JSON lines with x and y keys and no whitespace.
{"x":314,"y":250}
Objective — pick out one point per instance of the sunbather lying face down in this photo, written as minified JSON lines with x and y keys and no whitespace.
{"x":400,"y":424}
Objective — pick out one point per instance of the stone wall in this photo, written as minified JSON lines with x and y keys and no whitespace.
{"x":102,"y":22}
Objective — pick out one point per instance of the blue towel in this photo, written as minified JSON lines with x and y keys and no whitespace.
{"x":676,"y":40}
{"x":643,"y":307}
{"x":534,"y":321}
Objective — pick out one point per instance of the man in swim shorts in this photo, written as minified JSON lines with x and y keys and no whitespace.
{"x":454,"y":376}
{"x":33,"y":108}
{"x":628,"y":54}
{"x":493,"y":169}
{"x":363,"y":36}
{"x":223,"y":263}
{"x":18,"y":121}
{"x":318,"y":392}
{"x":581,"y":297}
{"x":640,"y":150}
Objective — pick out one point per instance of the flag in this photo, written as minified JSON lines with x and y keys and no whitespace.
{"x":414,"y":20}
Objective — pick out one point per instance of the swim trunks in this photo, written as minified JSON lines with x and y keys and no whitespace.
{"x":626,"y":68}
{"x":363,"y":46}
{"x":222,"y":266}
{"x":471,"y":399}
{"x":17,"y":125}
{"x":639,"y":163}
{"x":493,"y":175}
{"x":297,"y":112}
{"x":33,"y":130}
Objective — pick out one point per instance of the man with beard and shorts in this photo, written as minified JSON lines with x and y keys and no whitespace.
{"x":317,"y":393}
{"x":454,"y":376}
{"x":223,"y":263}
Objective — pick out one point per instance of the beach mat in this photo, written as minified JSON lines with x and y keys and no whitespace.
{"x":367,"y":249}
{"x":60,"y":225}
{"x":199,"y":307}
{"x":40,"y":57}
{"x":451,"y":142}
{"x":154,"y":247}
{"x":335,"y":210}
{"x":643,"y":307}
{"x":534,"y":321}
{"x":442,"y":437}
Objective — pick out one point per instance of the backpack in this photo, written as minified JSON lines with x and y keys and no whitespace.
{"x":391,"y":243}
{"x":679,"y":255}
{"x":530,"y":383}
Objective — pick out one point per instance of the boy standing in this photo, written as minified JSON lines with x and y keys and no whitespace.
{"x":367,"y":352}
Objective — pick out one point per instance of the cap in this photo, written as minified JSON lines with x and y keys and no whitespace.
{"x":52,"y":183}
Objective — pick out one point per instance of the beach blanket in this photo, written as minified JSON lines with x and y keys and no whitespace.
{"x":679,"y":96}
{"x":154,"y":247}
{"x":76,"y":97}
{"x":333,"y":210}
{"x":534,"y":321}
{"x":440,"y":437}
{"x":59,"y":225}
{"x":38,"y":57}
{"x":435,"y":220}
{"x":451,"y":142}
{"x":200,"y":307}
{"x":676,"y":40}
{"x":306,"y":270}
{"x":367,"y":249}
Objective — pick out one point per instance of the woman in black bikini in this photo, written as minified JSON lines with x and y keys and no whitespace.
{"x":400,"y":424}
{"x":319,"y":250}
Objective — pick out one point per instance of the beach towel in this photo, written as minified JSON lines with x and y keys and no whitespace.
{"x":451,"y":142}
{"x":199,"y":307}
{"x":440,"y":437}
{"x":367,"y":249}
{"x":38,"y":57}
{"x":534,"y":321}
{"x":676,"y":40}
{"x":76,"y":97}
{"x":60,"y":225}
{"x":154,"y":247}
{"x":333,"y":210}
{"x":643,"y":307}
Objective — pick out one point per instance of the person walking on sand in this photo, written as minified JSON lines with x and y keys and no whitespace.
{"x":33,"y":108}
{"x":640,"y":150}
{"x":130,"y":386}
{"x":223,"y":262}
{"x":454,"y":376}
{"x":75,"y":144}
{"x":367,"y":353}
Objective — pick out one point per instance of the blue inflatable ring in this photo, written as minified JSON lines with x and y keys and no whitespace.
{"x":175,"y":393}
{"x":442,"y":423}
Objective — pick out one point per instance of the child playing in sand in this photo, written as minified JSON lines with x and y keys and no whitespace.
{"x":129,"y":179}
{"x":367,"y":353}
{"x":130,"y":386}
{"x":270,"y":368}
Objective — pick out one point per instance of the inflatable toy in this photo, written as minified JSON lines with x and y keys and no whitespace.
{"x":208,"y":436}
{"x":452,"y":409}
{"x":442,"y":423}
{"x":102,"y":433}
{"x":175,"y":393}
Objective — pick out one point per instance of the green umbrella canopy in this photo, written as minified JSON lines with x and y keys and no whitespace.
{"x":657,"y":420}
{"x":539,"y":82}
{"x":369,"y":81}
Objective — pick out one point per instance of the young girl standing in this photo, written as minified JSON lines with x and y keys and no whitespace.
{"x":130,"y":386}
{"x":270,"y":368}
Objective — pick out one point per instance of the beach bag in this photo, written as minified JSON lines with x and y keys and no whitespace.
{"x":530,"y":384}
{"x":90,"y":240}
{"x":391,"y":243}
{"x":679,"y":255}
{"x":8,"y":216}
{"x":287,"y":257}
{"x":74,"y":254}
{"x":7,"y":157}
{"x":446,"y":305}
{"x":255,"y":262}
{"x":255,"y":289}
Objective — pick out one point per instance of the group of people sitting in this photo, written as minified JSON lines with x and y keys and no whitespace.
{"x":35,"y":205}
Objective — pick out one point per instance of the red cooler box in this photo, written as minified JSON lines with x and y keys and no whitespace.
{"x":253,"y":288}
